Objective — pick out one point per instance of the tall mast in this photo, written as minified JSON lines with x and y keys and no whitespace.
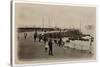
{"x":49,"y":21}
{"x":80,"y":23}
{"x":43,"y":21}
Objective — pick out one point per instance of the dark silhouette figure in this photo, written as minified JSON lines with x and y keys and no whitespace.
{"x":40,"y":38}
{"x":35,"y":35}
{"x":45,"y":38}
{"x":91,"y":41}
{"x":55,"y":41}
{"x":60,"y":42}
{"x":50,"y":47}
{"x":25,"y":35}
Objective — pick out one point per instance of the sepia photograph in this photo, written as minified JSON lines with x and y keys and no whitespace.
{"x":46,"y":33}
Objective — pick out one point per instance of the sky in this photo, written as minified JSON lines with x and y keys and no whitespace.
{"x":40,"y":15}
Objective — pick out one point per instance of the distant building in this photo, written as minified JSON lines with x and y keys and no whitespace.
{"x":28,"y":29}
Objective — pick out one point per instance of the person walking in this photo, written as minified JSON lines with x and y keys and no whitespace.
{"x":50,"y":47}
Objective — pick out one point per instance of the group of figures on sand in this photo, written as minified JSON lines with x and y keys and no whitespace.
{"x":49,"y":42}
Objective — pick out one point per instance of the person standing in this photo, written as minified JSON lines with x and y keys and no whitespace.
{"x":35,"y":35}
{"x":50,"y":47}
{"x":25,"y":35}
{"x":91,"y":43}
{"x":45,"y":38}
{"x":40,"y":37}
{"x":60,"y":42}
{"x":46,"y":46}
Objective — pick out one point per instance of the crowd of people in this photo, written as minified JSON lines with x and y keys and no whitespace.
{"x":49,"y":42}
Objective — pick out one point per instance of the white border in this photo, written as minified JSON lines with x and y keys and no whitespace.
{"x":13,"y":30}
{"x":54,"y":3}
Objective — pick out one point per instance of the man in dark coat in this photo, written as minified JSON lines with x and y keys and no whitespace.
{"x":50,"y":47}
{"x":35,"y":35}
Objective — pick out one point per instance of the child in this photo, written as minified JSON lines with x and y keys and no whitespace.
{"x":46,"y":46}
